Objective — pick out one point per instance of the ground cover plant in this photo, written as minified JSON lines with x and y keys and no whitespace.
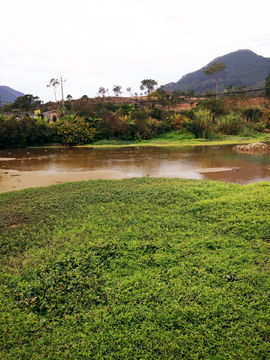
{"x":143,"y":268}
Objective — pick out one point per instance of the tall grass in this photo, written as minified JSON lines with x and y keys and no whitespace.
{"x":202,"y":125}
{"x":231,"y":124}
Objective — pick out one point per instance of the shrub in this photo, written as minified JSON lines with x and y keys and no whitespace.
{"x":252,"y":114}
{"x":74,"y":130}
{"x":23,"y":132}
{"x":202,"y":126}
{"x":230,"y":124}
{"x":156,"y":113}
{"x":265,"y":117}
{"x":176,"y":121}
{"x":216,"y":106}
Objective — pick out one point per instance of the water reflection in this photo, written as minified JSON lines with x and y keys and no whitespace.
{"x":202,"y":162}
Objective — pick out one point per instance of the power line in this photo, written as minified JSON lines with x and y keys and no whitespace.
{"x":166,"y":60}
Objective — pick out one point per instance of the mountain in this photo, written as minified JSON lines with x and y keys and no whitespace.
{"x":244,"y":67}
{"x":8,"y":95}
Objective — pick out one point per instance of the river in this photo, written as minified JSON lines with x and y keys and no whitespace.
{"x":69,"y":164}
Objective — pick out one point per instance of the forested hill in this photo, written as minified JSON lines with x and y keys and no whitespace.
{"x":8,"y":95}
{"x":244,"y":67}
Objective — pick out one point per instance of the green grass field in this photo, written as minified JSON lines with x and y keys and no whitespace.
{"x":143,"y":268}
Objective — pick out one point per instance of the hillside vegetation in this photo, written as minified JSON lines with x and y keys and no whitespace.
{"x":135,"y":268}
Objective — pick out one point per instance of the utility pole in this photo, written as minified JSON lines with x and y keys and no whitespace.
{"x":62,"y":93}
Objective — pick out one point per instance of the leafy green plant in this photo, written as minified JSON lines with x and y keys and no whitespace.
{"x":203,"y":125}
{"x":23,"y":132}
{"x":74,"y":130}
{"x":252,"y":113}
{"x":216,"y":106}
{"x":231,"y":124}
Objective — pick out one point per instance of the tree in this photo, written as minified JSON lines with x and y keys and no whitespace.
{"x":53,"y":84}
{"x":214,"y":70}
{"x":26,"y":102}
{"x":129,"y":91}
{"x":102,"y":91}
{"x":208,"y":92}
{"x":149,"y":84}
{"x":69,"y":97}
{"x":117,"y":90}
{"x":267,"y":86}
{"x":229,"y":88}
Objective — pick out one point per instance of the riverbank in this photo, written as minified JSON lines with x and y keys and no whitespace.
{"x":11,"y":180}
{"x":184,"y":138}
{"x":135,"y":268}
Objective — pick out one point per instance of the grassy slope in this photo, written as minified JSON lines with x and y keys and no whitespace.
{"x":136,"y":268}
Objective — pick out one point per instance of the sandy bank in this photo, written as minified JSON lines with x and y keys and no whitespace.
{"x":17,"y":180}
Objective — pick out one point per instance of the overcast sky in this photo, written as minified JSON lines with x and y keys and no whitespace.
{"x":93,"y":43}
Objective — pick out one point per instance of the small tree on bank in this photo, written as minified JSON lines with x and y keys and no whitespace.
{"x":214,"y":70}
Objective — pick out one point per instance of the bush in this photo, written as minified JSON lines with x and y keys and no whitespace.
{"x":176,"y":121}
{"x":202,"y":126}
{"x":216,"y":106}
{"x":252,"y":114}
{"x":23,"y":132}
{"x":74,"y":130}
{"x":156,"y":113}
{"x":230,"y":124}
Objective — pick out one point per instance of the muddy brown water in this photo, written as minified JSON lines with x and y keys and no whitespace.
{"x":197,"y":162}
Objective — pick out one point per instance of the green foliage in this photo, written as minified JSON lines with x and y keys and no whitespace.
{"x":75,"y":130}
{"x":149,"y":85}
{"x":136,"y":268}
{"x":156,"y":113}
{"x":202,"y":126}
{"x":252,"y":113}
{"x":230,"y":124}
{"x":215,"y":69}
{"x":23,"y":132}
{"x":216,"y":106}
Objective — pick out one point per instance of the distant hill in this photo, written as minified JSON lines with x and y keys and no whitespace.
{"x":8,"y":95}
{"x":244,"y":67}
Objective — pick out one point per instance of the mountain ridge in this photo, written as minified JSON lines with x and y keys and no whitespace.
{"x":8,"y":95}
{"x":244,"y":68}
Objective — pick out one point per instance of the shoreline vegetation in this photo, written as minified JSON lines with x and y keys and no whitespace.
{"x":106,"y":123}
{"x":135,"y":268}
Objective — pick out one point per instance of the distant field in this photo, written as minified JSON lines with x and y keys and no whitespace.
{"x":143,"y":268}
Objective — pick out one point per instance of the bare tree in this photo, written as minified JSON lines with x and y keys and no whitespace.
{"x":53,"y":84}
{"x":102,"y":91}
{"x":129,"y":91}
{"x":117,"y":90}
